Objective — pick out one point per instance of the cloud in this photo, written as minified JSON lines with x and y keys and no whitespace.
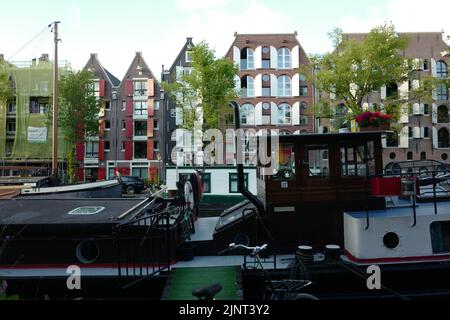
{"x":217,"y":25}
{"x":193,"y":5}
{"x":406,"y":15}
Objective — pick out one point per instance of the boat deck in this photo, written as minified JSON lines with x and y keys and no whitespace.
{"x":422,"y":209}
{"x":22,"y":211}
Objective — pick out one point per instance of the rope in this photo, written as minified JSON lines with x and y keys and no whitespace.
{"x":29,"y":42}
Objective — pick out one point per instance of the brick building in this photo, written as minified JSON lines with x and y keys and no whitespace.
{"x":273,"y":95}
{"x":424,"y":124}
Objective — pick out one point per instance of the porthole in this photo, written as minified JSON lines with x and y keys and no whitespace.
{"x":391,"y":240}
{"x":87,"y":251}
{"x":392,"y":156}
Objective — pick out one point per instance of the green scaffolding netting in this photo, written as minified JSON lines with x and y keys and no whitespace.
{"x":33,"y":128}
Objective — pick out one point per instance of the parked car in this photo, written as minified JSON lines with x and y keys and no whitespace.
{"x":132,"y":185}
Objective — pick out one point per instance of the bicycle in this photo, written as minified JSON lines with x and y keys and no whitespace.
{"x":286,"y":289}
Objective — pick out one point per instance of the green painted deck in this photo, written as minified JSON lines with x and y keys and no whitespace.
{"x":183,"y":280}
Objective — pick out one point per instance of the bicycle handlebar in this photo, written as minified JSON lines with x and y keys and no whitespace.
{"x":255,"y":250}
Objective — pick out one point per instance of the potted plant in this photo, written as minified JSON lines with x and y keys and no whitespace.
{"x":373,"y":121}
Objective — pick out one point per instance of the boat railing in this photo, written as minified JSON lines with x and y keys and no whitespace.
{"x":409,"y":184}
{"x":144,"y":247}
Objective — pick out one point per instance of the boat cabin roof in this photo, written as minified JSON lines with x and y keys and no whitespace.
{"x":52,"y":212}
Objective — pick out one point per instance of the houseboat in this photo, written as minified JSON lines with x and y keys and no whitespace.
{"x":330,"y":201}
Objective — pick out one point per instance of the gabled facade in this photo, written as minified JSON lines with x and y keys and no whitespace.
{"x":94,"y":154}
{"x":172,"y":115}
{"x":273,"y":94}
{"x":139,"y":120}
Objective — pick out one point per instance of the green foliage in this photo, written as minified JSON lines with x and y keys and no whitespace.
{"x":357,"y":68}
{"x":207,"y":90}
{"x":5,"y":87}
{"x":79,"y":109}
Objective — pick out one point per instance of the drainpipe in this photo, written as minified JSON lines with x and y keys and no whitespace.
{"x":240,"y":169}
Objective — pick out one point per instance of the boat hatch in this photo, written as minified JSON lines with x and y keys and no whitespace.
{"x":86,"y":211}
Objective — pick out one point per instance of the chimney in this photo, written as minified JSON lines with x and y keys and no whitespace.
{"x":94,"y":56}
{"x":44,"y":58}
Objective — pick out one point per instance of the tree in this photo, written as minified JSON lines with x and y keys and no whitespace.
{"x":355,"y":69}
{"x":208,"y":89}
{"x":5,"y":88}
{"x":79,"y":111}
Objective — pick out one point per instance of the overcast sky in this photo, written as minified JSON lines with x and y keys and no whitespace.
{"x":159,"y":28}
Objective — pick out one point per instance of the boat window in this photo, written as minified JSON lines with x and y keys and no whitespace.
{"x":357,"y":159}
{"x":319,"y":165}
{"x":440,"y":237}
{"x":285,"y":165}
{"x":86,"y":211}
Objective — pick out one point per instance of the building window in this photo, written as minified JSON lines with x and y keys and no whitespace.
{"x":426,"y":132}
{"x":425,"y":65}
{"x":248,"y":115}
{"x":107,"y":105}
{"x":443,"y":138}
{"x":247,"y":87}
{"x":156,"y":146}
{"x":284,"y":86}
{"x":442,"y":92}
{"x":123,"y":125}
{"x":284,"y":115}
{"x":155,"y":124}
{"x":140,"y":88}
{"x":247,"y":59}
{"x":140,"y":150}
{"x":39,"y":105}
{"x":122,"y":146}
{"x":11,"y":107}
{"x":440,"y":237}
{"x":409,"y":156}
{"x":107,"y":146}
{"x":11,"y":128}
{"x":140,"y":128}
{"x":206,"y":182}
{"x":441,"y":69}
{"x":303,"y":91}
{"x":266,"y":86}
{"x":444,"y":157}
{"x":443,"y":114}
{"x":426,"y":109}
{"x":140,"y":172}
{"x":92,"y":150}
{"x":189,"y":56}
{"x":392,"y":140}
{"x":107,"y":125}
{"x":124,"y":105}
{"x":233,"y":182}
{"x":423,"y":156}
{"x":284,"y":58}
{"x":303,"y":120}
{"x":392,"y":156}
{"x":156,"y":107}
{"x":140,"y":108}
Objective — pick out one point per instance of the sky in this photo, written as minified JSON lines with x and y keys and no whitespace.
{"x":115,"y":30}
